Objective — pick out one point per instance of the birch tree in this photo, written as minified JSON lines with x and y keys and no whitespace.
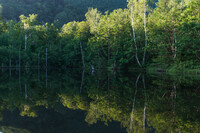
{"x":145,"y":29}
{"x":131,"y":5}
{"x":27,"y":24}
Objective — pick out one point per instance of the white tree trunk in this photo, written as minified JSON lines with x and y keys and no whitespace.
{"x":82,"y":55}
{"x":175,"y":48}
{"x":20,"y":57}
{"x":26,"y":37}
{"x":182,"y":2}
{"x":46,"y":59}
{"x":134,"y":38}
{"x":145,"y":29}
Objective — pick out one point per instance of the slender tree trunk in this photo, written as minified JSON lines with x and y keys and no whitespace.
{"x":38,"y":75}
{"x":98,"y":51}
{"x":46,"y":59}
{"x":20,"y":57}
{"x":26,"y":37}
{"x":134,"y":38}
{"x":82,"y":55}
{"x":145,"y":29}
{"x":108,"y":32}
{"x":108,"y":81}
{"x":174,"y":47}
{"x":98,"y":58}
{"x":182,"y":2}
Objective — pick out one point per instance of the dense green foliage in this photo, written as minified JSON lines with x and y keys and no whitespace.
{"x":165,"y":35}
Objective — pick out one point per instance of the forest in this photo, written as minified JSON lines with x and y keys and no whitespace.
{"x":62,"y":11}
{"x":144,"y":34}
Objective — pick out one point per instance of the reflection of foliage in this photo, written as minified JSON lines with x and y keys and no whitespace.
{"x":12,"y":130}
{"x":171,"y":101}
{"x":27,"y":112}
{"x":74,"y":102}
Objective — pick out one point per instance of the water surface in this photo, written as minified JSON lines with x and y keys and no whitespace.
{"x":76,"y":101}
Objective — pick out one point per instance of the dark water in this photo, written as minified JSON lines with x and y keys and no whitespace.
{"x":76,"y":101}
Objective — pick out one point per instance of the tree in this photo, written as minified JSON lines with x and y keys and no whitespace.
{"x":133,"y":5}
{"x":28,"y":22}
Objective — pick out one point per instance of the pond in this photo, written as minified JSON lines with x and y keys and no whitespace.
{"x":76,"y":101}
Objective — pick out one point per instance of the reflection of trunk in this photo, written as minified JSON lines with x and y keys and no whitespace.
{"x":46,"y":79}
{"x":82,"y":55}
{"x":145,"y":28}
{"x":144,"y":104}
{"x":46,"y":58}
{"x":81,"y":87}
{"x":174,"y":99}
{"x":134,"y":38}
{"x":174,"y":90}
{"x":92,"y":67}
{"x":10,"y":67}
{"x":131,"y":123}
{"x":10,"y":63}
{"x":39,"y":59}
{"x":108,"y":81}
{"x":26,"y":95}
{"x":99,"y":79}
{"x":38,"y":75}
{"x":20,"y":85}
{"x":20,"y":57}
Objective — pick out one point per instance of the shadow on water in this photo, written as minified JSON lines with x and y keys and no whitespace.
{"x":79,"y":101}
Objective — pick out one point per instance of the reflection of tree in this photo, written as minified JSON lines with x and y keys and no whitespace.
{"x":5,"y":129}
{"x":106,"y":105}
{"x":145,"y":104}
{"x":83,"y":74}
{"x":136,"y":86}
